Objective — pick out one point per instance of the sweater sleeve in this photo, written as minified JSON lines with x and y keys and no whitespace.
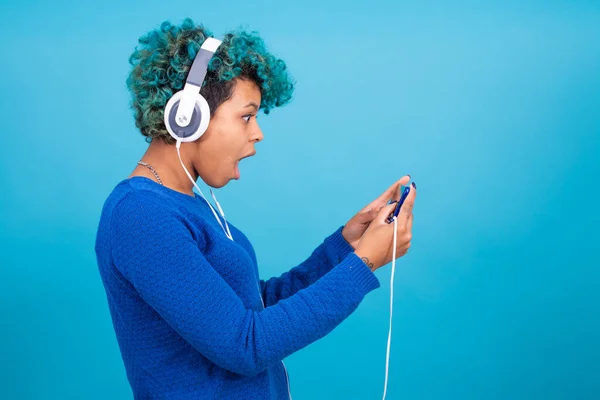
{"x":156,"y":251}
{"x":328,"y":254}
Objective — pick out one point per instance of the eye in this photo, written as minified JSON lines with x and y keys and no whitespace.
{"x":247,"y":117}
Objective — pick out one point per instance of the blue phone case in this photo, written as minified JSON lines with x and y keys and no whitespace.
{"x":399,"y":205}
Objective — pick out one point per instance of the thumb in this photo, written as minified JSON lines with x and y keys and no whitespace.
{"x":383,"y":213}
{"x":368,"y":215}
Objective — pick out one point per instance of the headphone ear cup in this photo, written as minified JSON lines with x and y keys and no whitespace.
{"x":198,"y":123}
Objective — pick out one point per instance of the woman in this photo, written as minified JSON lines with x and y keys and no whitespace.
{"x":191,"y":315}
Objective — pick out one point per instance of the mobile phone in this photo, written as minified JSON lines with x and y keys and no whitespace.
{"x":393,"y":215}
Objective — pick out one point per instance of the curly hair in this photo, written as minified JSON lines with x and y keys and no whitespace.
{"x":161,"y":61}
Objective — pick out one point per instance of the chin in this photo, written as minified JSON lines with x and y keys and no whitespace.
{"x":218,"y":183}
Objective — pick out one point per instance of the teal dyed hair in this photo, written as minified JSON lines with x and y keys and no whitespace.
{"x":162,"y":59}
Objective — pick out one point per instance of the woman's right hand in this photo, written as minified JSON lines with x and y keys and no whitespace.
{"x":375,"y":246}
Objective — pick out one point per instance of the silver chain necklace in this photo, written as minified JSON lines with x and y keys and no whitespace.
{"x":145,"y":164}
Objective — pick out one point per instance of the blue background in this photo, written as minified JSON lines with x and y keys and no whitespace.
{"x":492,"y":107}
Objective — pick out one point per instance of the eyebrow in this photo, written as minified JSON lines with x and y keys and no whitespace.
{"x":251,"y":104}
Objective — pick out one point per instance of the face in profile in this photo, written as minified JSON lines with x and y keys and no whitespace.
{"x":231,"y":135}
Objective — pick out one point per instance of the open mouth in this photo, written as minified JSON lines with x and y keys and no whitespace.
{"x":237,"y":164}
{"x":249,"y":155}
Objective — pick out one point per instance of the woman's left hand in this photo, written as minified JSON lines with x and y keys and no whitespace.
{"x":358,"y":224}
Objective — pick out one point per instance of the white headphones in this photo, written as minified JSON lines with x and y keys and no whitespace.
{"x":187,"y":113}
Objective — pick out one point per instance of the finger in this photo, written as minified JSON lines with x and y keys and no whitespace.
{"x":407,"y":207}
{"x":384,"y":212}
{"x":392,"y":192}
{"x":410,"y":222}
{"x":395,"y":191}
{"x":367,"y":215}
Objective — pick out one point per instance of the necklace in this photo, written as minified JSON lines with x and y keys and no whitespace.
{"x":145,"y":164}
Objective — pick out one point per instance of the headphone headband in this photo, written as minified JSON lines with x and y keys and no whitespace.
{"x":200,"y":65}
{"x":194,"y":81}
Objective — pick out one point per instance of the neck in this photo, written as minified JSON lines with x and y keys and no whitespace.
{"x":163,"y":158}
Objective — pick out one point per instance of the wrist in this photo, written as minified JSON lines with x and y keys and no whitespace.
{"x":350,"y":243}
{"x":369,"y":261}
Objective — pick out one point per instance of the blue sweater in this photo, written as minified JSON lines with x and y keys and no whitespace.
{"x":192,"y":318}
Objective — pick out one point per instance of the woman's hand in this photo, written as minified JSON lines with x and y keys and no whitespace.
{"x":358,"y":224}
{"x":375,"y":247}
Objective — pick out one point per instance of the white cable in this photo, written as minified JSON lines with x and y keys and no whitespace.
{"x":287,"y":377}
{"x":227,"y":232}
{"x":387,"y":357}
{"x":221,"y":211}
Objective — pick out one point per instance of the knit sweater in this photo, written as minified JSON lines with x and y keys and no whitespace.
{"x":192,"y":318}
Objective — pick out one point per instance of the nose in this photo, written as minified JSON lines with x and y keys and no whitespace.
{"x":257,"y":134}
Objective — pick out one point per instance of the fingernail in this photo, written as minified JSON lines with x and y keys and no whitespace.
{"x":414,"y":185}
